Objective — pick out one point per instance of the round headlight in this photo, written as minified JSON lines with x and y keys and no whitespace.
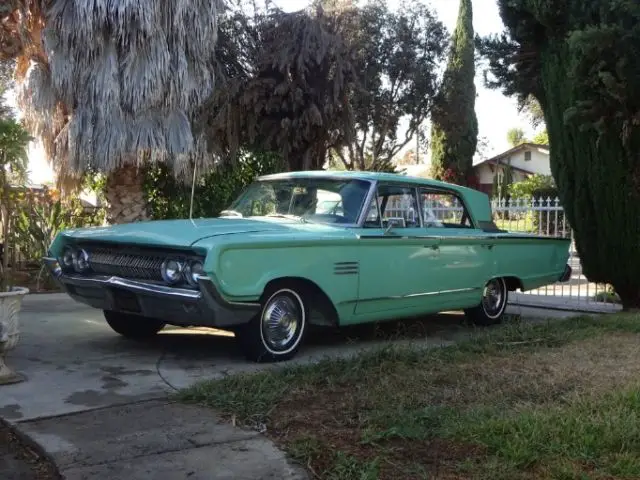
{"x":66,"y":261}
{"x":81,"y":261}
{"x":171,"y":271}
{"x":193,"y":270}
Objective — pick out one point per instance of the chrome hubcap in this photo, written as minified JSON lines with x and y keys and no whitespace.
{"x":493,"y":297}
{"x":280,"y":320}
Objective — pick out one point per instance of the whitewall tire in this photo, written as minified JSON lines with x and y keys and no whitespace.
{"x":495,"y":296}
{"x":276,"y":333}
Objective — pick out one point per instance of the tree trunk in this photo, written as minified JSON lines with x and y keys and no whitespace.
{"x":598,"y":183}
{"x":125,"y":196}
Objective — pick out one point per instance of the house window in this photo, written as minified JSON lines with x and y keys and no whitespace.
{"x":527,"y":156}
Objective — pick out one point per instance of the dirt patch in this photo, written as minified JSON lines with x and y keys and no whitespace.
{"x":18,"y":461}
{"x":331,"y":422}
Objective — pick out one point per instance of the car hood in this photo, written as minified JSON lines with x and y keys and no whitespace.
{"x":184,"y":233}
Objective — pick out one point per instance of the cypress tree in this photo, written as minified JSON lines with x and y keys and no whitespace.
{"x":454,"y":131}
{"x":579,"y":59}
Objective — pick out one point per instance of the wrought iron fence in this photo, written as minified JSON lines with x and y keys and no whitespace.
{"x":545,"y":216}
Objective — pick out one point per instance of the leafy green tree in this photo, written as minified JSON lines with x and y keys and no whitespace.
{"x":215,"y":189}
{"x":516,"y":137}
{"x":579,"y":60}
{"x":14,"y":141}
{"x":454,"y":133}
{"x":284,"y":88}
{"x":532,"y":108}
{"x":533,"y":187}
{"x":542,"y":138}
{"x":396,"y":56}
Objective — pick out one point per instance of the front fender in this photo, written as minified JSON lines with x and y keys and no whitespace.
{"x":243,"y":271}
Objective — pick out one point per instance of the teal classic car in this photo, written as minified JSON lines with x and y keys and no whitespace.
{"x":303,"y":248}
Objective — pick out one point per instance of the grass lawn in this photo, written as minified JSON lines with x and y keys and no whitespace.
{"x":521,"y":225}
{"x":559,"y":400}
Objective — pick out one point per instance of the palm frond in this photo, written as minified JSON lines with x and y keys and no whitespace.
{"x":111,"y":82}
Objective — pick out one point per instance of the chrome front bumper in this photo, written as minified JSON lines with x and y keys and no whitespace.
{"x":177,"y":306}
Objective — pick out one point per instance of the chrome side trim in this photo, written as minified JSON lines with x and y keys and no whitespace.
{"x":391,"y":236}
{"x":414,"y":295}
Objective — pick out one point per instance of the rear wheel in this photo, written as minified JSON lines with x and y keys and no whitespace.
{"x":133,"y":326}
{"x":276,"y":333}
{"x":493,"y":304}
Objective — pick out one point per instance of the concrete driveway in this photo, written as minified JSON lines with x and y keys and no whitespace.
{"x":74,"y":362}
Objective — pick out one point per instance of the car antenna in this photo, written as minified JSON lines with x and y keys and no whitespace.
{"x":193,"y":190}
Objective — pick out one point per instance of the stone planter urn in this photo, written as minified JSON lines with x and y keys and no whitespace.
{"x":10,"y":305}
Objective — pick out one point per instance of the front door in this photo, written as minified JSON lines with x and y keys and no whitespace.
{"x":398,"y":259}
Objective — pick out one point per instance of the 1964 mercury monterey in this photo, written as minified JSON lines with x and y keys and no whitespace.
{"x":333,"y":248}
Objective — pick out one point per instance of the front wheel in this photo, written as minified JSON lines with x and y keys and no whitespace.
{"x":277,"y":332}
{"x":493,"y":304}
{"x":133,"y":326}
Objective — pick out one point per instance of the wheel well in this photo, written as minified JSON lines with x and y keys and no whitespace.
{"x":318,"y":299}
{"x":513,"y":283}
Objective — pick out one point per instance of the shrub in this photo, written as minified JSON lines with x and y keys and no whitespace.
{"x":541,"y":187}
{"x":170,"y":198}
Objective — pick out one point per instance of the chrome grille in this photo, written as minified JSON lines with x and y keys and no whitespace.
{"x":141,"y":266}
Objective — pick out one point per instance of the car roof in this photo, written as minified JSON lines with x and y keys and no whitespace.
{"x":360,"y":175}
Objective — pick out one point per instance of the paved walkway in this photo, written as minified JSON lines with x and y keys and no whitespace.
{"x":557,"y":302}
{"x":97,"y":403}
{"x":157,"y":440}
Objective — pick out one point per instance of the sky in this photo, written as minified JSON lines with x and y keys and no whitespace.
{"x":496,"y":113}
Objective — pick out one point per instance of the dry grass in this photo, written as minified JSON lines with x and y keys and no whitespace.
{"x":560,"y":400}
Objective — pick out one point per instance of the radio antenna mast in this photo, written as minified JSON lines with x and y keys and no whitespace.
{"x":193,"y":189}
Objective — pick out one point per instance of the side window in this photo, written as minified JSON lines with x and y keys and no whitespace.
{"x":399,"y":203}
{"x":443,"y":210}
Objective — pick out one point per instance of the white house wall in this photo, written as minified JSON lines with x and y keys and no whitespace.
{"x":484,"y":173}
{"x":539,"y":162}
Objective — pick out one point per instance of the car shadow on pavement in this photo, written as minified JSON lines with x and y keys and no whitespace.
{"x":205,"y":343}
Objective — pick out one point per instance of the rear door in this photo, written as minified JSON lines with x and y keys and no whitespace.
{"x":466,"y":261}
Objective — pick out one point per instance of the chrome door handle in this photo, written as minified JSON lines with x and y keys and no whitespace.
{"x":432,"y":247}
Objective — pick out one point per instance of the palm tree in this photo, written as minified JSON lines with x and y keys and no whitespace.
{"x":111,"y":85}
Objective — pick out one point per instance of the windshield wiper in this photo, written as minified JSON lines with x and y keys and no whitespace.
{"x":230,"y":213}
{"x":287,"y":216}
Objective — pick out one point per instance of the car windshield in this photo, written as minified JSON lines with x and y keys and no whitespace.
{"x":317,"y":200}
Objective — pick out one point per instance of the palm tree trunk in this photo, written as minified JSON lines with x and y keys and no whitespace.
{"x":126,"y":199}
